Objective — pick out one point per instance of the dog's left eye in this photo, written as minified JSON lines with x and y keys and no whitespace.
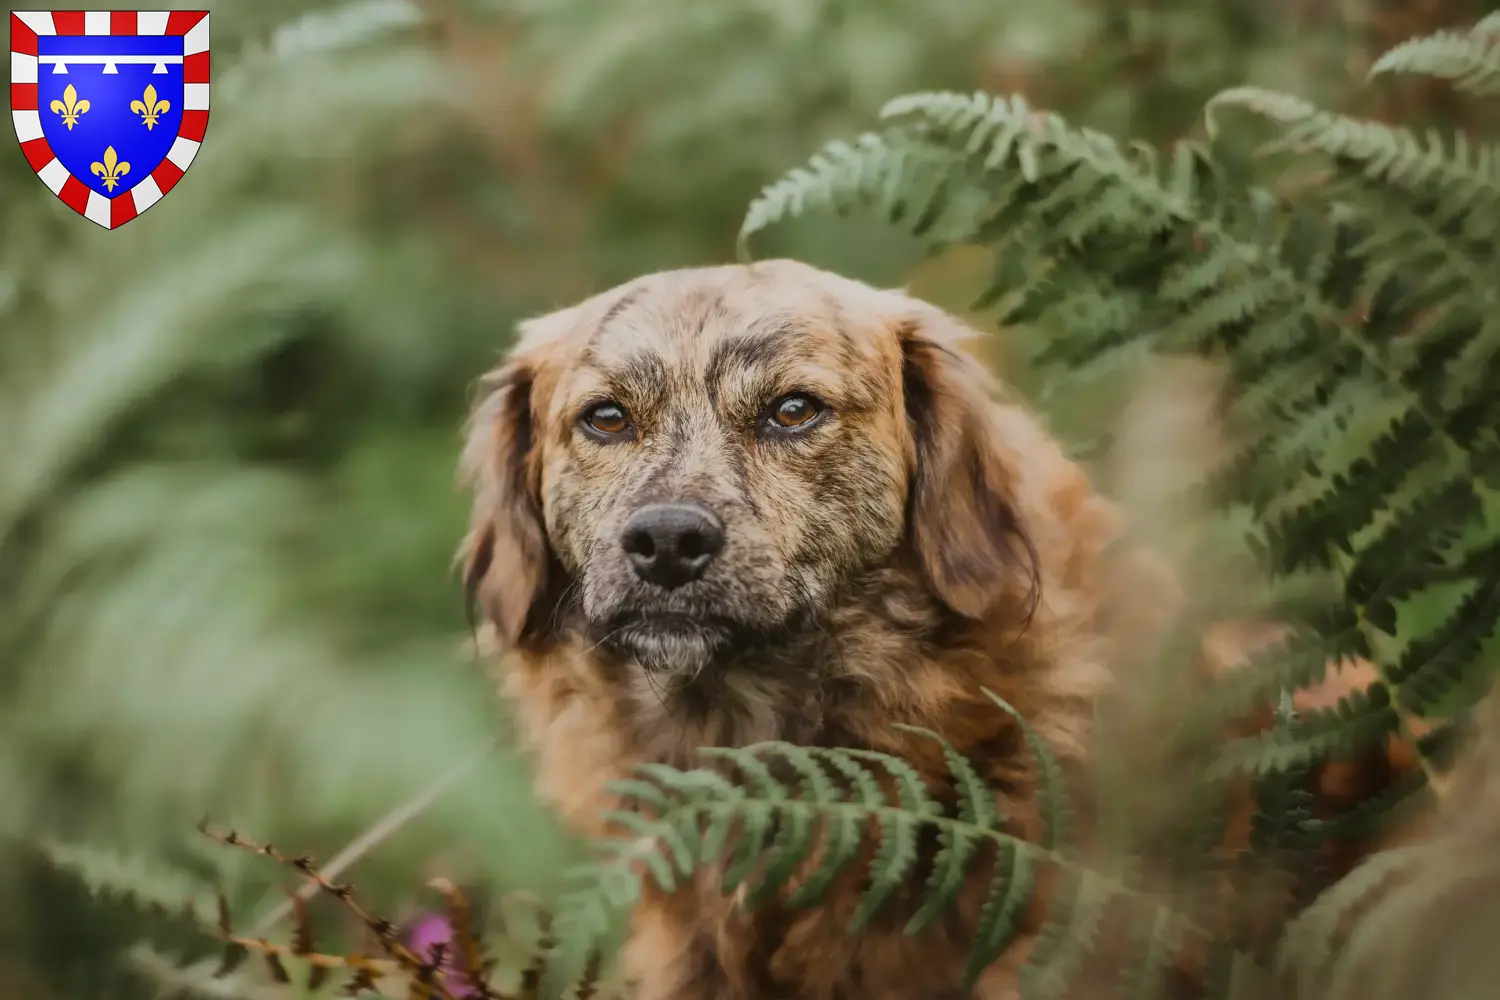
{"x":607,"y":420}
{"x":793,"y":412}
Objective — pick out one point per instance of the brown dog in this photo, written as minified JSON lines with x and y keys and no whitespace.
{"x":744,"y":503}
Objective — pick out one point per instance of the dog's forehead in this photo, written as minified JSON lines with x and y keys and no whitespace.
{"x":712,"y":320}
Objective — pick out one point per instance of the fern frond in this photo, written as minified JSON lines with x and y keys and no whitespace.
{"x":140,"y":880}
{"x":795,"y":837}
{"x":1072,"y":925}
{"x":1311,"y":940}
{"x":956,"y":845}
{"x":1077,"y":179}
{"x":1461,"y":174}
{"x":833,"y":799}
{"x":1360,"y":720}
{"x":569,"y":953}
{"x":1437,"y":662}
{"x":1284,"y":804}
{"x":1054,"y":800}
{"x":842,"y":831}
{"x":204,"y":979}
{"x":1010,"y":892}
{"x":882,"y":172}
{"x":1156,"y":940}
{"x":1470,"y":59}
{"x":1301,"y":660}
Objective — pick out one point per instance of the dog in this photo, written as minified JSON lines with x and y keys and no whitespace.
{"x":730,"y":504}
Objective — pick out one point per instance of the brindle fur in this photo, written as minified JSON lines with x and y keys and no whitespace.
{"x":926,"y":541}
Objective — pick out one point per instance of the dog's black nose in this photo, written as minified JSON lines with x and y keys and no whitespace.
{"x":670,"y":544}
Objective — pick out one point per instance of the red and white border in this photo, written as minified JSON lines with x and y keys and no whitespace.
{"x":26,"y":25}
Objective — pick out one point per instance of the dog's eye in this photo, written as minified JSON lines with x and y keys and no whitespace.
{"x":607,"y":420}
{"x":794,"y":412}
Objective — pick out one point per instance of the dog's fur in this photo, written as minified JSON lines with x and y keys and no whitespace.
{"x":923,"y":541}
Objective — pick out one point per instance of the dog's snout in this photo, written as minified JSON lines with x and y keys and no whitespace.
{"x":670,"y":544}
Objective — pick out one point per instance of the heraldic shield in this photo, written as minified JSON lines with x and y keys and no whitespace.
{"x":110,"y":105}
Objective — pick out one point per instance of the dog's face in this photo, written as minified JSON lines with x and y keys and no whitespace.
{"x":717,"y":461}
{"x":693,"y":468}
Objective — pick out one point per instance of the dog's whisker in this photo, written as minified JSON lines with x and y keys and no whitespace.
{"x":606,"y":637}
{"x":567,"y":601}
{"x":651,"y":683}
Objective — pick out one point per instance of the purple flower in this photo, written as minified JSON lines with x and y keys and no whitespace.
{"x":426,"y":934}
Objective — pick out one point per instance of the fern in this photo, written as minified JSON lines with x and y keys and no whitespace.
{"x":143,"y":881}
{"x":765,"y":830}
{"x":1053,"y":799}
{"x":1470,"y":59}
{"x":196,"y":979}
{"x":1311,"y":938}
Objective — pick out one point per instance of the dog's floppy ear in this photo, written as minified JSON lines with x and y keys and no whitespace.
{"x":992,"y":489}
{"x":964,"y":523}
{"x":504,"y":556}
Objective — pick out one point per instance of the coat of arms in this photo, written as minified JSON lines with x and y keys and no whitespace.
{"x":110,"y":105}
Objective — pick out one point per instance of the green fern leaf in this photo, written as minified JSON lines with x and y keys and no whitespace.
{"x":759,"y":816}
{"x":1010,"y":892}
{"x":957,"y":844}
{"x":664,"y":868}
{"x":1055,"y":811}
{"x":842,"y":829}
{"x":1309,"y":941}
{"x":1470,"y":59}
{"x":1360,"y":720}
{"x":911,"y":788}
{"x":1437,"y":663}
{"x":143,"y":881}
{"x":895,"y":858}
{"x":883,"y":171}
{"x":976,"y":804}
{"x":793,"y":843}
{"x":1157,"y":941}
{"x":1073,"y":923}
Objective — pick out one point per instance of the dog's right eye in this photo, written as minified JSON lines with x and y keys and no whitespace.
{"x":606,"y":421}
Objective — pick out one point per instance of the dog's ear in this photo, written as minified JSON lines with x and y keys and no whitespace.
{"x":992,"y":490}
{"x":505,"y":557}
{"x":964,"y":522}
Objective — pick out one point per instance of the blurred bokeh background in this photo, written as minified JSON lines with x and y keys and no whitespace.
{"x":228,"y":430}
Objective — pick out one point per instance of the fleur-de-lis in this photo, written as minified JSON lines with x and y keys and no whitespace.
{"x":150,"y":109}
{"x":70,"y":107}
{"x":111,"y":170}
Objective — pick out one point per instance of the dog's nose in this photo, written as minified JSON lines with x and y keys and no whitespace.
{"x":670,"y":544}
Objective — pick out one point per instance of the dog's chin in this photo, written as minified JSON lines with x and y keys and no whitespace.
{"x":671,"y":644}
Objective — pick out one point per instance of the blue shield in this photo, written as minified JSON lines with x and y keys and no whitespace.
{"x":110,"y":105}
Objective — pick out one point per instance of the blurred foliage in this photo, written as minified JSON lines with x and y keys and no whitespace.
{"x":226,"y":503}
